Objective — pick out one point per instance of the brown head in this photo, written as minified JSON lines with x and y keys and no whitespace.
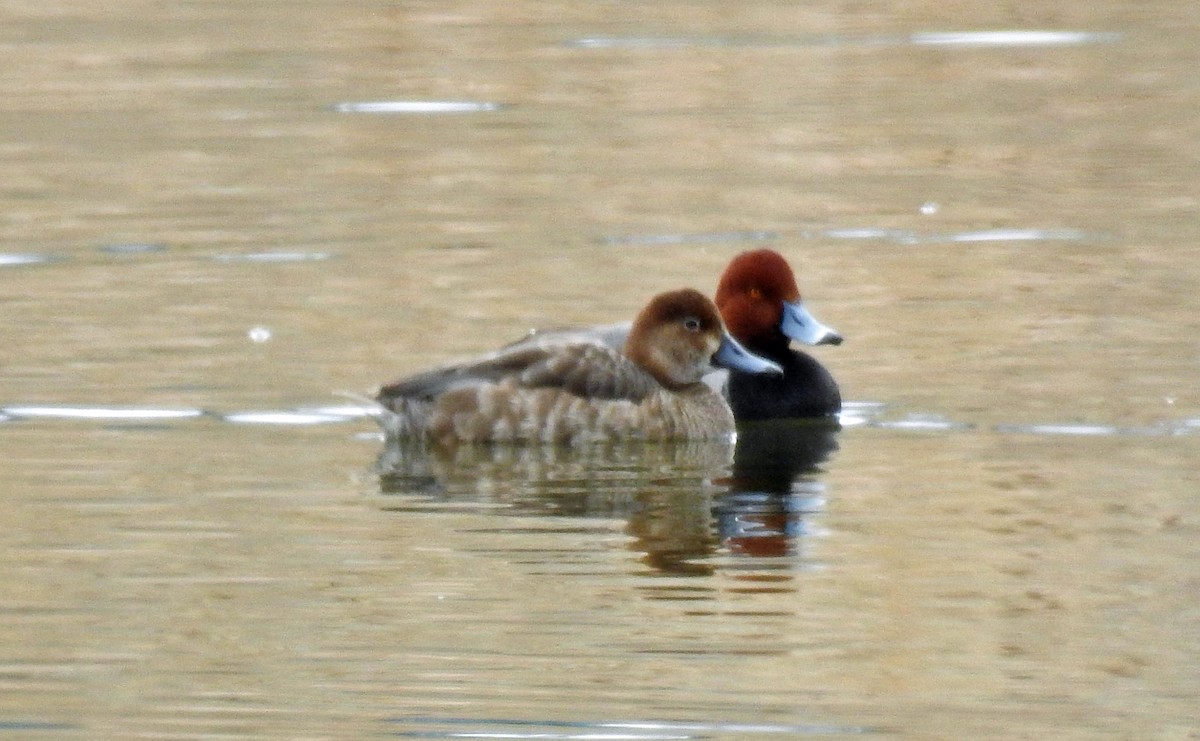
{"x":679,"y":336}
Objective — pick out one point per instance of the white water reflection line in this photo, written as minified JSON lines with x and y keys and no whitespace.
{"x":330,"y":414}
{"x":865,"y":233}
{"x":1012,"y":38}
{"x":1079,"y":430}
{"x":418,"y":107}
{"x":1082,"y":429}
{"x":281,"y":256}
{"x":904,"y":236}
{"x":854,"y":414}
{"x":923,"y":423}
{"x":347,"y":411}
{"x":1021,"y":235}
{"x":293,"y":417}
{"x":126,"y":414}
{"x":961,"y":39}
{"x":685,"y":42}
{"x":899,"y":236}
{"x":1068,"y":429}
{"x":872,"y":414}
{"x":13,"y":259}
{"x":858,"y":413}
{"x":495,"y":728}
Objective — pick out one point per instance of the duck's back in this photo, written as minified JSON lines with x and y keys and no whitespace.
{"x":806,"y":389}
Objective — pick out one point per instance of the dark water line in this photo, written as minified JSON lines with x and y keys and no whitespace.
{"x":31,"y":725}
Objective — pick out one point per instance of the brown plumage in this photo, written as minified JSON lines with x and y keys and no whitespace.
{"x":565,"y":388}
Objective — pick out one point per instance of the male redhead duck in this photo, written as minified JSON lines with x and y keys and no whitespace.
{"x":761,"y":306}
{"x":570,"y":387}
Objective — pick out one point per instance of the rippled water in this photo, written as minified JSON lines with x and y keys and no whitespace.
{"x":224,"y":222}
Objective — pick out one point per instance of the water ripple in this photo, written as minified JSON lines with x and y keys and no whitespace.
{"x":33,"y":725}
{"x":289,"y":417}
{"x":901,"y":236}
{"x":1012,"y":38}
{"x":299,"y":416}
{"x":871,"y":414}
{"x":431,"y":727}
{"x":282,"y":256}
{"x":952,"y":39}
{"x":1020,"y":235}
{"x":875,"y":415}
{"x":858,"y":413}
{"x":867,"y":233}
{"x":423,"y":107}
{"x":693,"y":238}
{"x":923,"y":423}
{"x":133,"y":414}
{"x":904,"y":236}
{"x":132,"y":248}
{"x":13,"y":259}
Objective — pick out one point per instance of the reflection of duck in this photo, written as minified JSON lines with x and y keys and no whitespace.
{"x":771,"y":488}
{"x":662,"y":490}
{"x":596,"y":480}
{"x":771,"y":454}
{"x":558,"y":388}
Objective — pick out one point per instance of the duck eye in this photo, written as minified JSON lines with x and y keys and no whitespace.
{"x":691,"y":324}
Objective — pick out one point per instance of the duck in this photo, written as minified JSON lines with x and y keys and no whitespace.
{"x":575,"y":387}
{"x":761,"y":306}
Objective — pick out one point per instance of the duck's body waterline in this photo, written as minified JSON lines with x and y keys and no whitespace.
{"x":567,"y":388}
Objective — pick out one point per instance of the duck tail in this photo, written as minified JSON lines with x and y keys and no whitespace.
{"x":398,"y":417}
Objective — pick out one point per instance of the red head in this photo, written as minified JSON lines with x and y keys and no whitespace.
{"x":751,"y":293}
{"x":760,"y":303}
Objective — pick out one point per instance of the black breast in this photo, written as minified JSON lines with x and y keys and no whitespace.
{"x":805,"y":389}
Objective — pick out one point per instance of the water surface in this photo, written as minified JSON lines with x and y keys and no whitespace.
{"x":218,"y":218}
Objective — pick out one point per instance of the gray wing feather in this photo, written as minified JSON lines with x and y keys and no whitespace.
{"x":575,"y":362}
{"x":612,"y":335}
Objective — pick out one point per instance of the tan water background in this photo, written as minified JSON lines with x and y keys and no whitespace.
{"x":216,"y":216}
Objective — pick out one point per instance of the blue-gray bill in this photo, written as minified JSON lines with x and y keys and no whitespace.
{"x":803,"y":327}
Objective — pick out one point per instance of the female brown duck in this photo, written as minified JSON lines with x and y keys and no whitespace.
{"x":571,"y":388}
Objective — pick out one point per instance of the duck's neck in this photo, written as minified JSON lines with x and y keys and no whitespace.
{"x":774,"y":347}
